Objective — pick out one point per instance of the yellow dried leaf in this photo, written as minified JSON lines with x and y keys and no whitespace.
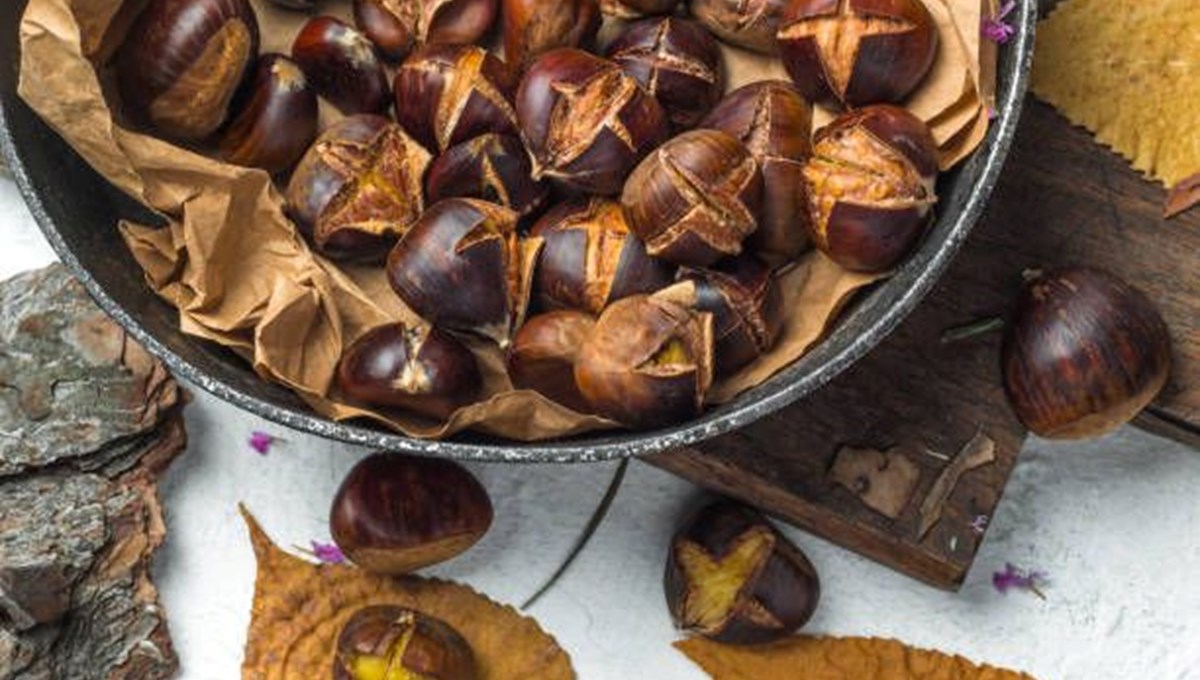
{"x":834,"y":659}
{"x":1129,"y":71}
{"x":299,"y":610}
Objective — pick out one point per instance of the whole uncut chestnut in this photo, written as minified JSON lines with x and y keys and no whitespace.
{"x":447,"y":94}
{"x":633,"y":9}
{"x":751,"y":24}
{"x":1084,"y":354}
{"x":543,"y":352}
{"x":852,"y":53}
{"x":533,"y":27}
{"x":585,"y":121}
{"x":459,"y":267}
{"x":871,"y":180}
{"x":491,"y":167}
{"x":393,"y":643}
{"x":732,"y":577}
{"x":394,"y":514}
{"x":183,"y":61}
{"x":342,"y":66}
{"x":397,"y":26}
{"x":676,"y":61}
{"x":747,"y":308}
{"x":358,"y":188}
{"x":695,"y":199}
{"x":420,"y":369}
{"x":278,"y":122}
{"x":589,"y":259}
{"x":775,"y":124}
{"x":648,"y":362}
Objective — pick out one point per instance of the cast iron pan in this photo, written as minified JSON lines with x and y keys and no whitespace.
{"x":78,"y":212}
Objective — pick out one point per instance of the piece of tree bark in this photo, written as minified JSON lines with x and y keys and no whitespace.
{"x":88,"y":421}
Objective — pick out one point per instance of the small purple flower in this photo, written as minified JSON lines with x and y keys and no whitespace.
{"x":995,"y":28}
{"x":327,"y":553}
{"x":1013,"y":578}
{"x":979,"y":524}
{"x":993,"y":114}
{"x":261,"y":442}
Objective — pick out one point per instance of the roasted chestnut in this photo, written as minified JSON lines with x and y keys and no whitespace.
{"x":632,"y":9}
{"x":871,"y":182}
{"x":358,"y":188}
{"x":851,"y":53}
{"x":775,"y":123}
{"x":648,"y":362}
{"x":746,"y":305}
{"x":1084,"y":354}
{"x":397,"y":26}
{"x":393,"y":643}
{"x":342,"y":66}
{"x":533,"y":27}
{"x":586,"y":122}
{"x":417,"y":368}
{"x":394,"y":514}
{"x":459,"y":267}
{"x":447,"y":94}
{"x":676,"y":61}
{"x":278,"y":122}
{"x":589,"y":259}
{"x":543,"y":352}
{"x":183,"y":61}
{"x":492,"y":167}
{"x":751,"y":24}
{"x":695,"y":199}
{"x":732,"y":577}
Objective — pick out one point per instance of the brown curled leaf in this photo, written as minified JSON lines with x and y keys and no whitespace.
{"x":979,"y":451}
{"x":1183,"y":197}
{"x":883,"y":480}
{"x":299,"y":610}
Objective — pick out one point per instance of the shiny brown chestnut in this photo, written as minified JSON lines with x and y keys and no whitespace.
{"x":384,"y":642}
{"x":492,"y":167}
{"x":358,"y":188}
{"x":342,"y":66}
{"x":775,"y":123}
{"x":533,"y":27}
{"x":459,"y":267}
{"x":588,"y":258}
{"x":744,"y":299}
{"x":751,"y":24}
{"x":648,"y":362}
{"x":398,"y":26}
{"x":676,"y":61}
{"x":585,"y":121}
{"x":415,"y":368}
{"x":543,"y":353}
{"x":732,"y":577}
{"x":182,"y":63}
{"x":871,"y":183}
{"x":277,"y":123}
{"x":851,"y":53}
{"x":633,"y":9}
{"x":1084,"y":354}
{"x":448,"y":94}
{"x":394,"y":514}
{"x":695,"y":199}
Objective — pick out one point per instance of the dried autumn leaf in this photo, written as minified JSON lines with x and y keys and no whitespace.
{"x":299,"y":610}
{"x":835,"y":659}
{"x":1126,"y":70}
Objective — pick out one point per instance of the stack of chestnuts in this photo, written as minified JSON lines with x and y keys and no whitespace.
{"x":600,"y":212}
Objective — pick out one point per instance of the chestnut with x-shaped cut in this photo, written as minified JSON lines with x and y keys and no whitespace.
{"x":583,"y":110}
{"x":709,"y":609}
{"x":447,"y":94}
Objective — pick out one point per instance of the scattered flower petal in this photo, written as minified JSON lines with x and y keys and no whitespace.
{"x":327,"y":553}
{"x":1013,"y":578}
{"x":261,"y":442}
{"x":996,"y":29}
{"x":980,"y":524}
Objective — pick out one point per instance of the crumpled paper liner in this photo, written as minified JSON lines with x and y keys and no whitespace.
{"x":241,"y":276}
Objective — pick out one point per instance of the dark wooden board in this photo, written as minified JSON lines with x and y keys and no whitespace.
{"x":1063,"y":199}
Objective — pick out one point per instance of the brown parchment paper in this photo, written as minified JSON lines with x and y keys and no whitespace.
{"x":241,"y":276}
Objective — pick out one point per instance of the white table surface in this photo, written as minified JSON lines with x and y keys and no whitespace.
{"x":1116,"y":524}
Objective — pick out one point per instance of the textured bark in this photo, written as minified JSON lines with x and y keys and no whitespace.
{"x":88,"y":420}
